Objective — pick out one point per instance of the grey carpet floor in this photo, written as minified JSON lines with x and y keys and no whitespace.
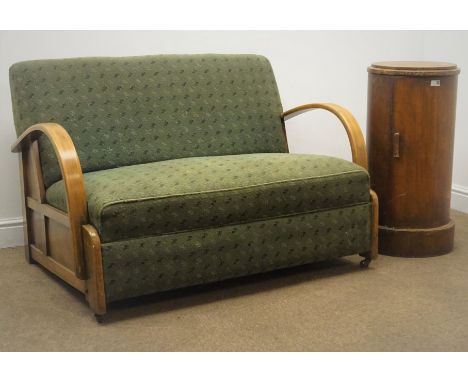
{"x":397,"y":304}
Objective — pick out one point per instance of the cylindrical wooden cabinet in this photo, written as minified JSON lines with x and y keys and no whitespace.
{"x":410,"y":131}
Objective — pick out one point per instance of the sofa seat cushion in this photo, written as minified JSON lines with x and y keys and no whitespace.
{"x":202,"y":192}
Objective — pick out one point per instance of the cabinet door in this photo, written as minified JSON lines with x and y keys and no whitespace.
{"x":421,"y":174}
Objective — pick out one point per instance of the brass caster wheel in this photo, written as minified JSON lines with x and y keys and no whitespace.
{"x":365,"y":263}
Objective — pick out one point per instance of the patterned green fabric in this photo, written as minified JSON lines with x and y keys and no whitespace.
{"x":191,"y":193}
{"x":186,"y":169}
{"x":131,"y":110}
{"x":157,"y":263}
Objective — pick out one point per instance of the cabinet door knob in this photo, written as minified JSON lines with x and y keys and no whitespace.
{"x":396,"y":145}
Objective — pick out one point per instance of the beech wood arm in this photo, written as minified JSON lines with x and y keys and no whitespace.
{"x":72,"y":176}
{"x":356,"y":139}
{"x":359,"y":154}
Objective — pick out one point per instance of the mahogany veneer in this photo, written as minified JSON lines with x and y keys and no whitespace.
{"x":410,"y":132}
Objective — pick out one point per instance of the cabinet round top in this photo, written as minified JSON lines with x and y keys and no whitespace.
{"x":414,"y":68}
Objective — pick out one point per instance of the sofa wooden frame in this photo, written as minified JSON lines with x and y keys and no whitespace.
{"x":68,"y":246}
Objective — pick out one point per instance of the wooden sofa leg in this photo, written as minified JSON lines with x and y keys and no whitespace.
{"x":373,"y":253}
{"x":95,"y":293}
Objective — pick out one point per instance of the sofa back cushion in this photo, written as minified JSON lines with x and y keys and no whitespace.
{"x":130,"y":110}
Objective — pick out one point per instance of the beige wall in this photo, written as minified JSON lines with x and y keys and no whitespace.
{"x":310,"y":66}
{"x":452,"y":46}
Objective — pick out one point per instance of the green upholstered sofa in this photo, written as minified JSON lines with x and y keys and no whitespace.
{"x":145,"y":174}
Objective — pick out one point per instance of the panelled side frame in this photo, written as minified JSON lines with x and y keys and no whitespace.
{"x":64,"y":243}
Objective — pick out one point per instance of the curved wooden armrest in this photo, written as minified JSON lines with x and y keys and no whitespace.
{"x":72,"y":177}
{"x":356,"y":139}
